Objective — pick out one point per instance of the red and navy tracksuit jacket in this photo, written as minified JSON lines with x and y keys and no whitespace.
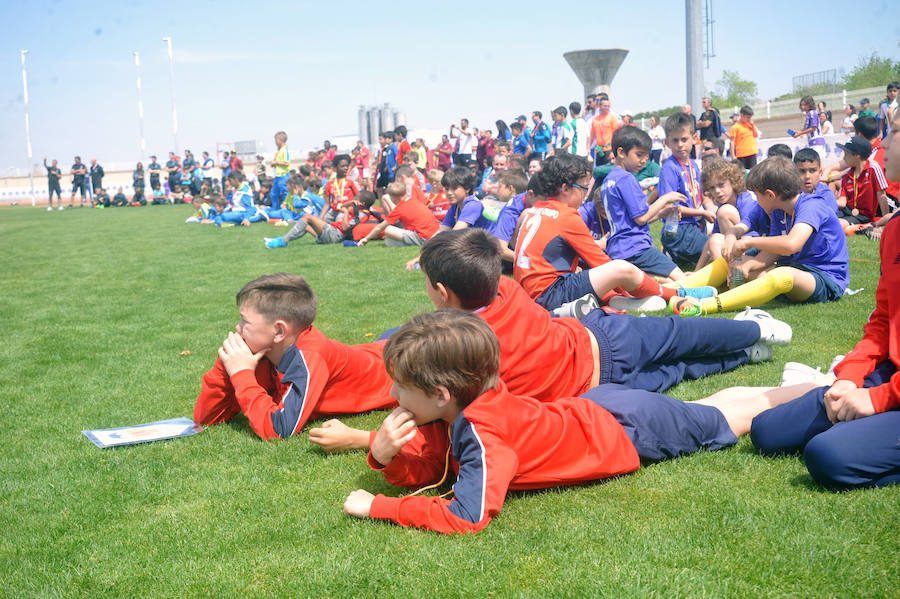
{"x":500,"y":442}
{"x":317,"y":377}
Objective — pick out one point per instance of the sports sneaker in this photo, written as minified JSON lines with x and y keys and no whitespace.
{"x":578,"y":308}
{"x":771,"y":330}
{"x":283,"y":223}
{"x":60,"y":208}
{"x":697,"y":292}
{"x":274,"y":242}
{"x":685,"y":306}
{"x":651,"y":303}
{"x":796,"y":373}
{"x":759,"y":352}
{"x":49,"y":208}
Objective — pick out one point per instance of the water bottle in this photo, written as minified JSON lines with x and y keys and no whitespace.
{"x":737,"y":275}
{"x":671,"y":224}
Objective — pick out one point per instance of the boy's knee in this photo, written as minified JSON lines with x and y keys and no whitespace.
{"x":765,"y":434}
{"x":782,"y":279}
{"x":829,"y":465}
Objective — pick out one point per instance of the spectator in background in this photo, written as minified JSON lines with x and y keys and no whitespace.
{"x":849,"y":118}
{"x":330,"y":151}
{"x":466,"y":138}
{"x":887,"y":110}
{"x":53,"y":175}
{"x":484,"y":154}
{"x":580,"y":127}
{"x":824,"y":124}
{"x":237,"y":165}
{"x":710,"y":123}
{"x":865,"y":109}
{"x":540,"y":134}
{"x":503,"y":132}
{"x":657,"y":139}
{"x":96,"y":175}
{"x":823,"y":107}
{"x":445,"y":154}
{"x":137,"y":177}
{"x":206,"y":168}
{"x":602,"y":128}
{"x":225,"y":165}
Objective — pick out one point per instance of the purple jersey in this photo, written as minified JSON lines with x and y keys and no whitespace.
{"x":824,"y":192}
{"x":624,"y":201}
{"x":508,"y":217}
{"x":814,"y":137}
{"x":685,"y":179}
{"x":471,"y":213}
{"x":597,"y":225}
{"x":752,"y":215}
{"x":826,"y":248}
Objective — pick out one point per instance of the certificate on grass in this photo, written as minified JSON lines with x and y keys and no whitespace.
{"x":143,"y":433}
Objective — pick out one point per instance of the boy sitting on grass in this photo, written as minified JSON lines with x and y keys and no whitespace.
{"x":810,"y":166}
{"x":280,"y":371}
{"x":627,"y":209}
{"x":806,"y":244}
{"x":547,"y":358}
{"x":417,"y":222}
{"x":848,"y":431}
{"x":552,"y":240}
{"x":474,"y":430}
{"x":862,"y":187}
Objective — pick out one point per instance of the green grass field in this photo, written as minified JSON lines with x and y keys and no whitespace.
{"x":97,"y":307}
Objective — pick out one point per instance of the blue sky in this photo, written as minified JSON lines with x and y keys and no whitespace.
{"x":244,"y":70}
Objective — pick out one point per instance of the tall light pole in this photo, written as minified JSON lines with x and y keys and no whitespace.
{"x":168,"y":40}
{"x":22,"y":53}
{"x":137,"y":63}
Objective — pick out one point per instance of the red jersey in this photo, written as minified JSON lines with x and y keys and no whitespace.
{"x":881,"y":335}
{"x":541,"y":357}
{"x":316,"y":377}
{"x":500,"y":442}
{"x":402,"y":148}
{"x":339,"y":192}
{"x":551,"y":240}
{"x":414,"y":216}
{"x":438,"y":204}
{"x":862,"y":190}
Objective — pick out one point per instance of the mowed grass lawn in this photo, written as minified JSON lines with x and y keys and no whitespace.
{"x":97,"y":307}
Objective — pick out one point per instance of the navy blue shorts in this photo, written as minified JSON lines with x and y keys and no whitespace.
{"x":567,"y":287}
{"x":653,"y":261}
{"x":661,"y":427}
{"x":826,"y":289}
{"x":687,"y":243}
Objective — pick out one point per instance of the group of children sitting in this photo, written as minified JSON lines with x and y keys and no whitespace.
{"x":543,"y":379}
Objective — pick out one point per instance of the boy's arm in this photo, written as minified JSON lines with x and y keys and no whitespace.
{"x":304,"y":376}
{"x":783,"y":245}
{"x":656,"y":208}
{"x":486,"y":467}
{"x":576,"y":233}
{"x":874,"y":347}
{"x":216,"y":402}
{"x":375,"y":232}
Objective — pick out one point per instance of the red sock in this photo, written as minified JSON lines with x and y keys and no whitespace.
{"x":650,"y":287}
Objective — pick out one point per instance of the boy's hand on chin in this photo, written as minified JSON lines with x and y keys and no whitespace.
{"x":236,"y":355}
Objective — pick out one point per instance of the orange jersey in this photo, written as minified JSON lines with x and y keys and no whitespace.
{"x":551,"y":241}
{"x":542,"y":357}
{"x":340,"y":191}
{"x":316,"y":377}
{"x":603,"y":128}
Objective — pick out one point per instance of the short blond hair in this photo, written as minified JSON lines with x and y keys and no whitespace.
{"x":396,"y":189}
{"x":281,"y":296}
{"x":447,"y":348}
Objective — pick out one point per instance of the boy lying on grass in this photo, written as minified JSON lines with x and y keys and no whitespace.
{"x":280,"y":371}
{"x":445,"y":369}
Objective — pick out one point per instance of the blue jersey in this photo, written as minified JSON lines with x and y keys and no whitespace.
{"x":826,"y":248}
{"x":242,"y":198}
{"x":824,"y":192}
{"x":624,"y":201}
{"x":597,"y":225}
{"x":308,"y":203}
{"x":540,"y":137}
{"x":685,"y":179}
{"x":752,"y":215}
{"x":471,"y":213}
{"x":508,"y":217}
{"x":520,"y":144}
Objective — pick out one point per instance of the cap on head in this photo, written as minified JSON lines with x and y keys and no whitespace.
{"x":857,"y":145}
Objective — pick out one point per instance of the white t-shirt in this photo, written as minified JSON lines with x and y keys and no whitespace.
{"x":582,"y":132}
{"x":465,"y":142}
{"x":657,"y":135}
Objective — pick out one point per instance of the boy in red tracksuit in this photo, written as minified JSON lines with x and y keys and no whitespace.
{"x":445,"y":370}
{"x":280,"y":371}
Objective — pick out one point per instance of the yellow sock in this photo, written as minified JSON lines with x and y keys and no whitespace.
{"x":755,"y":293}
{"x":713,"y":274}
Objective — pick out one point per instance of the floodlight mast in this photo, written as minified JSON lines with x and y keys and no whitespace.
{"x":137,"y":64}
{"x":168,"y":41}
{"x":22,"y":53}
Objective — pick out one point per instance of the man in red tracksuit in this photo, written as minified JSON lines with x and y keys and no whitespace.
{"x":280,"y":371}
{"x":445,"y":369}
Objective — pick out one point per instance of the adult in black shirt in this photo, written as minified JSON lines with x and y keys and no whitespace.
{"x":154,"y":168}
{"x":710,"y":124}
{"x":96,"y":175}
{"x":172,"y":166}
{"x":53,"y":175}
{"x":79,"y":170}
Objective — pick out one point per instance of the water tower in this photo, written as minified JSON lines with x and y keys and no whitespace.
{"x":596,"y":68}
